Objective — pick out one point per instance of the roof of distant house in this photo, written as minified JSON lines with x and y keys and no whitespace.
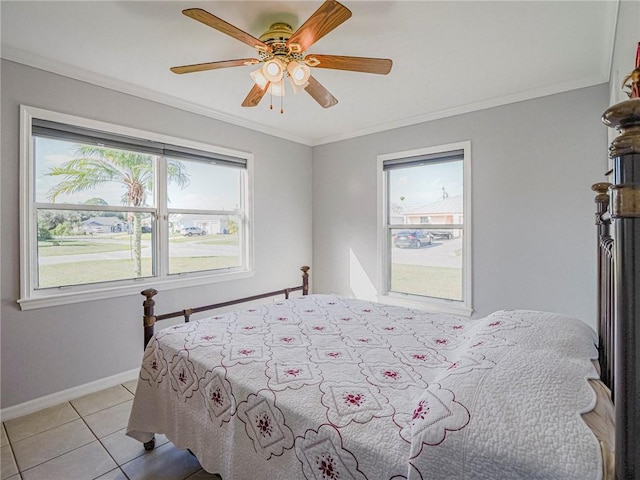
{"x":444,"y":205}
{"x":106,"y":221}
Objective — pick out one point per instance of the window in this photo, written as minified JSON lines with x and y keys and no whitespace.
{"x":105,"y":207}
{"x":425,"y":229}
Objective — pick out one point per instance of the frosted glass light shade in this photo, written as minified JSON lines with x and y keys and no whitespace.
{"x":297,"y":88}
{"x":277,"y":89}
{"x":299,"y":73}
{"x":273,"y":70}
{"x":259,"y":78}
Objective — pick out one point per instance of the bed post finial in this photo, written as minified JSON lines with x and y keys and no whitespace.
{"x":305,"y":280}
{"x":149,"y":318}
{"x":625,"y":211}
{"x":602,"y":201}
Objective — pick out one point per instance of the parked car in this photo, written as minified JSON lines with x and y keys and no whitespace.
{"x":145,"y":229}
{"x":412,"y":238}
{"x":442,"y":234}
{"x":189,"y":231}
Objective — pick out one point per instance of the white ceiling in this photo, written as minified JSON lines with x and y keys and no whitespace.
{"x":449,"y":57}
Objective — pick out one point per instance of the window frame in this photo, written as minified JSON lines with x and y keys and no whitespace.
{"x":32,"y":297}
{"x":463,"y":307}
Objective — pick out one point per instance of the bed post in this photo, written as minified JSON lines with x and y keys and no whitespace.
{"x":149,"y":318}
{"x":606,"y":281}
{"x":305,"y":280}
{"x":625,"y":211}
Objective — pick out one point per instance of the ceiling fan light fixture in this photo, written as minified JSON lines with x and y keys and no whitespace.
{"x":295,"y":87}
{"x":273,"y":70}
{"x":277,"y":89}
{"x":259,"y":78}
{"x":299,"y":73}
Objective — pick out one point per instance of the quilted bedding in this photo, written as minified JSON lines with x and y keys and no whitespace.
{"x":326,"y":387}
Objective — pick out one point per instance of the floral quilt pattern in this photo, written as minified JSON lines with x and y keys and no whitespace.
{"x":332,"y":388}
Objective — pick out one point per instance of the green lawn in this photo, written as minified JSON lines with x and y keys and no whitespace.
{"x":108,"y":270}
{"x":84,"y":244}
{"x":206,"y":239}
{"x":52,"y":248}
{"x":438,"y":282}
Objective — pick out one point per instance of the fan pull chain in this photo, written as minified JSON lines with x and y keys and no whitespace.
{"x":270,"y":101}
{"x":282,"y":97}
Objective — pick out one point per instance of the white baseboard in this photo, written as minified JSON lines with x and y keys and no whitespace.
{"x":64,"y":396}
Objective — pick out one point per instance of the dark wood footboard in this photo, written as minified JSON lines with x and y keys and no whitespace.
{"x":150,"y":318}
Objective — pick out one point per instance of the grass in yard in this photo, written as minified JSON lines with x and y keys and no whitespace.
{"x":79,"y":273}
{"x":53,"y":248}
{"x":437,"y":282}
{"x":206,"y":239}
{"x":198,"y":264}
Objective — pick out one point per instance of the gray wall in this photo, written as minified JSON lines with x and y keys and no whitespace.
{"x":49,"y":350}
{"x":533,"y":163}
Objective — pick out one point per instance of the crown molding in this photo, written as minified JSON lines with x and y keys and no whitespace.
{"x":468,"y":108}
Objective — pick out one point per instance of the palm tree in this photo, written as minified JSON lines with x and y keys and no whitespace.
{"x":94,"y":166}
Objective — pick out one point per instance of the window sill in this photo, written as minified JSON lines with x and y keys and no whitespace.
{"x":44,"y":299}
{"x":431,"y":304}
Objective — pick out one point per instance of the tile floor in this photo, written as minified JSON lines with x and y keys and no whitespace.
{"x":85,"y":440}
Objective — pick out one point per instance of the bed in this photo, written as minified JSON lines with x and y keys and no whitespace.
{"x":329,"y":387}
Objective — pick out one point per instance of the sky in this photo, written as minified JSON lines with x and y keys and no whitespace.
{"x":421,"y":185}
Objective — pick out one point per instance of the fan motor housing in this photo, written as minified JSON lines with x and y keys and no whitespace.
{"x":276,"y":37}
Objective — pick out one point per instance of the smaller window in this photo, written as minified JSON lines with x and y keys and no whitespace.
{"x":425,"y":227}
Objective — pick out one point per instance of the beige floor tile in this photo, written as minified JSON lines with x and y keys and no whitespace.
{"x":7,"y":462}
{"x":131,"y":385}
{"x":162,"y":463}
{"x":110,"y":419}
{"x":84,"y":463}
{"x":45,"y":446}
{"x":38,"y":422}
{"x":15,"y":477}
{"x":95,"y":402}
{"x":5,"y":440}
{"x":124,"y":449}
{"x":116,"y":474}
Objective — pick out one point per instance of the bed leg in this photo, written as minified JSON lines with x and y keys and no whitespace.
{"x":150,"y":445}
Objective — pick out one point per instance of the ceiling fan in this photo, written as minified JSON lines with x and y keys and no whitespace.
{"x":282,"y":53}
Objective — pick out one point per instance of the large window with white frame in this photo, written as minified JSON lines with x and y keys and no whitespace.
{"x":425,"y":227}
{"x":105,"y":207}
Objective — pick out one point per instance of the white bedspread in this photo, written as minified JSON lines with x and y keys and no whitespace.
{"x":325,"y":387}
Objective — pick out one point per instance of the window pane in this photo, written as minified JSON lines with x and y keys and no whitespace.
{"x":68,"y":172}
{"x":426,"y":193}
{"x":427,"y":263}
{"x":212,"y":186}
{"x":204,"y":242}
{"x":78,"y":247}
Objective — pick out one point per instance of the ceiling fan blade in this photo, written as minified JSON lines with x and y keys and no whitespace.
{"x":330,"y":15}
{"x":202,"y":67}
{"x":320,"y":94}
{"x":214,"y":22}
{"x":255,"y":95}
{"x":380,"y":66}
